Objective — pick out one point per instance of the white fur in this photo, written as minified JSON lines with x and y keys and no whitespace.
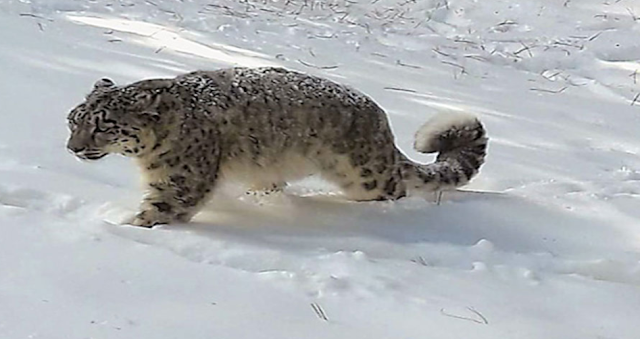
{"x":442,"y":122}
{"x":290,"y":167}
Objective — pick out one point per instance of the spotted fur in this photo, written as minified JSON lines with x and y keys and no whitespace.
{"x":267,"y":127}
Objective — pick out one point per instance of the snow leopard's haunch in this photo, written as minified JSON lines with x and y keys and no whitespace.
{"x":266,"y":127}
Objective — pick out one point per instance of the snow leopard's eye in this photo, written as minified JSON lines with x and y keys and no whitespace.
{"x":72,"y":124}
{"x":75,"y":117}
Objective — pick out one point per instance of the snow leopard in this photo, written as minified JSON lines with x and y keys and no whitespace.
{"x":267,"y":127}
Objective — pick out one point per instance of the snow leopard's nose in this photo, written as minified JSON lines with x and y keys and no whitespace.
{"x":77,"y":142}
{"x":75,"y":148}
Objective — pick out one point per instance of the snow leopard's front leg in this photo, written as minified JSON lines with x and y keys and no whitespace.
{"x":177,"y":199}
{"x":178,"y":193}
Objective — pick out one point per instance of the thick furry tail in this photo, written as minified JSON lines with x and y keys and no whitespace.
{"x":461,"y":143}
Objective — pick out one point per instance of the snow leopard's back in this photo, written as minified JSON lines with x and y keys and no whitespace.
{"x":278,"y":126}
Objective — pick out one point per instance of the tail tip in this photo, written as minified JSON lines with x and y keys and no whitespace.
{"x":447,"y":131}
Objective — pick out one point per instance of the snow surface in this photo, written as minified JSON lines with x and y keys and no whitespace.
{"x":550,"y":250}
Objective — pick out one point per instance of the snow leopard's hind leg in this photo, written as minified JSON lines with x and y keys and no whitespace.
{"x":367,"y":177}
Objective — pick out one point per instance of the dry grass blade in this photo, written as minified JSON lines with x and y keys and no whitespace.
{"x":476,"y":57}
{"x":634,"y":75}
{"x":562,"y":43}
{"x":325,"y":36}
{"x":401,"y":89}
{"x":365,"y":26}
{"x":524,"y":48}
{"x":420,"y":260}
{"x":464,"y":41}
{"x":595,"y":36}
{"x":316,"y":66}
{"x":633,"y":15}
{"x":462,"y":69}
{"x":482,"y":317}
{"x":507,"y":22}
{"x":437,"y":50}
{"x":30,"y":15}
{"x":400,"y":63}
{"x":452,"y":64}
{"x":319,"y":311}
{"x":550,"y":77}
{"x":549,"y":90}
{"x":482,"y":320}
{"x":635,"y":99}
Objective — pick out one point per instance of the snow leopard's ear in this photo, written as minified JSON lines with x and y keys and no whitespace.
{"x":149,"y":94}
{"x":145,"y":105}
{"x":103,"y":84}
{"x":150,"y":112}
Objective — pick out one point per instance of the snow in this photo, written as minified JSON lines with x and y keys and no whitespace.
{"x":548,"y":246}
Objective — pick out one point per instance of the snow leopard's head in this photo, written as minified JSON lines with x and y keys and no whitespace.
{"x":114,"y":119}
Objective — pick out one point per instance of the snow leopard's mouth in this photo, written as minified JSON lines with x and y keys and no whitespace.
{"x":90,"y":155}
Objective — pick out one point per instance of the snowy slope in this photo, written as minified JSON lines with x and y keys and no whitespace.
{"x":553,"y":251}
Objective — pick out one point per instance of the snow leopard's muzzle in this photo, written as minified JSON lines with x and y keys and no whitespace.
{"x":81,"y":146}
